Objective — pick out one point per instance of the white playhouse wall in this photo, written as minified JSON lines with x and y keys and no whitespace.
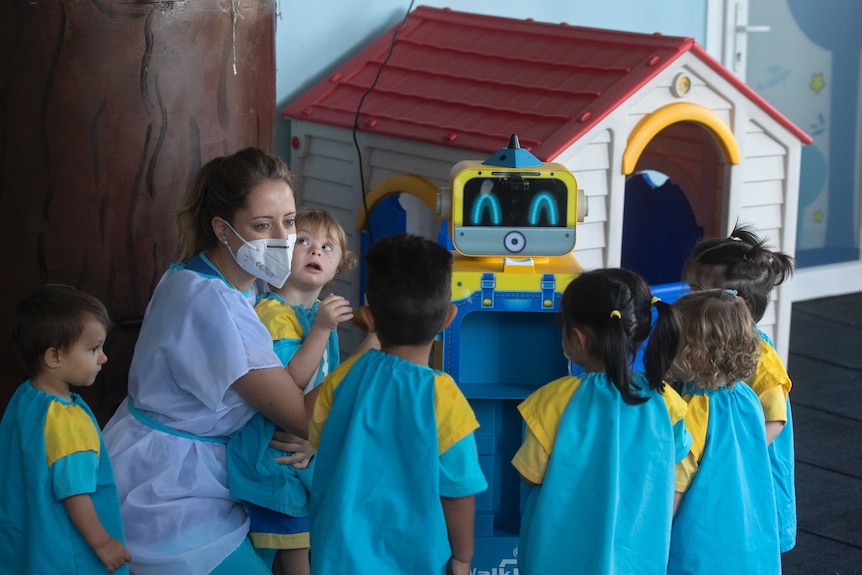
{"x":326,"y":176}
{"x":762,"y":188}
{"x":761,"y":191}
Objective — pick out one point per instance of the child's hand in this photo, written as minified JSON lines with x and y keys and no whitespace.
{"x":297,"y":451}
{"x":333,"y":310}
{"x":455,"y":567}
{"x":113,"y":554}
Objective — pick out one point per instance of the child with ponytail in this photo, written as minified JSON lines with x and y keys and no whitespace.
{"x":600,"y":448}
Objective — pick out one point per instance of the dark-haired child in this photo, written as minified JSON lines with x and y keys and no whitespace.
{"x":397,"y":466}
{"x":725,"y":518}
{"x":600,"y":448}
{"x":59,"y":508}
{"x":742,"y":262}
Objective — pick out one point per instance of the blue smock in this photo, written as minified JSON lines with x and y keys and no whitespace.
{"x":393,"y":438}
{"x":770,"y":373}
{"x":52,"y":449}
{"x":605,"y":502}
{"x":726,"y":522}
{"x":254,"y":475}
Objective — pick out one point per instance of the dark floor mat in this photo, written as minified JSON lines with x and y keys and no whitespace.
{"x":846,"y":309}
{"x":829,"y":505}
{"x":814,"y":555}
{"x":824,"y":340}
{"x":829,"y":388}
{"x":825,"y":365}
{"x":822,"y":440}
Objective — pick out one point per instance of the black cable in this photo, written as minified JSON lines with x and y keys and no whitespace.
{"x":356,"y":120}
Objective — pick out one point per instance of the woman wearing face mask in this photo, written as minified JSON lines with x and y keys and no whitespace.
{"x":203,"y":366}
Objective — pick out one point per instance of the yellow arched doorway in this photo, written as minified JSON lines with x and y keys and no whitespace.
{"x":693,"y":147}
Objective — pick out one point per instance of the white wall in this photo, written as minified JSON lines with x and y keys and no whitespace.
{"x":312,"y":39}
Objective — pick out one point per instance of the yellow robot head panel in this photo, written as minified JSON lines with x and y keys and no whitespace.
{"x":513,"y":211}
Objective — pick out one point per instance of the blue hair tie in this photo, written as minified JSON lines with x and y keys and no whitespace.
{"x":732,"y":291}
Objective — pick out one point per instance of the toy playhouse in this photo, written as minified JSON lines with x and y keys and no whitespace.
{"x":614,"y":109}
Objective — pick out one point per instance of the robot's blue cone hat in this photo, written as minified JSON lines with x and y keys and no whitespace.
{"x":513,"y":157}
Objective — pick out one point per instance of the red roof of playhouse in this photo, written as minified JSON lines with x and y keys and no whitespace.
{"x":470,"y":81}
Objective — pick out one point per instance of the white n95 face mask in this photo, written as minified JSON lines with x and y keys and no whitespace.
{"x":268,"y":259}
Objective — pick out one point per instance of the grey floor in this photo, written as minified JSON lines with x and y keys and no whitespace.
{"x":825,"y":365}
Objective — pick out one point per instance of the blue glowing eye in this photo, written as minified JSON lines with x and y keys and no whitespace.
{"x":543,"y":202}
{"x":486,"y":203}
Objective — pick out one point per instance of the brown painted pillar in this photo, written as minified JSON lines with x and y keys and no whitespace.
{"x":107,"y":109}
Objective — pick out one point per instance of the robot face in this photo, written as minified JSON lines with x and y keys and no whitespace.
{"x":515,"y":202}
{"x":514,"y":212}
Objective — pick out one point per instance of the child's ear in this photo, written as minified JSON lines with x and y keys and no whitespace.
{"x":582,"y":339}
{"x":366,"y":317}
{"x":52,"y":358}
{"x":451,"y":313}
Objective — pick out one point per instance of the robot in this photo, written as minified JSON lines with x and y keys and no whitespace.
{"x":512,"y":224}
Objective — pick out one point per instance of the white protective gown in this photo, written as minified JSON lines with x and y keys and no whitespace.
{"x":198,"y":337}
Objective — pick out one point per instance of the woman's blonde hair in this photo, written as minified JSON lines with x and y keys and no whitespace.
{"x":719,"y":345}
{"x":219,"y":189}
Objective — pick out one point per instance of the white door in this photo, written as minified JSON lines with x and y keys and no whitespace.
{"x":803,"y":58}
{"x":727,"y":33}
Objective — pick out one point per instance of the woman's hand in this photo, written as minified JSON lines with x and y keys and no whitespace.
{"x":298,"y":452}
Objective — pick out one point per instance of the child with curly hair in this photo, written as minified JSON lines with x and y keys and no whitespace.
{"x":725,"y":519}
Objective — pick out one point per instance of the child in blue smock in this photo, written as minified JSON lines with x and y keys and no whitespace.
{"x":725,"y":518}
{"x":305,"y":338}
{"x":59,"y":507}
{"x":396,"y":467}
{"x":600,"y":448}
{"x":742,"y":262}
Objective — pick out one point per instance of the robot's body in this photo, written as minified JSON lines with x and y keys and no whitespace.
{"x":512,"y":224}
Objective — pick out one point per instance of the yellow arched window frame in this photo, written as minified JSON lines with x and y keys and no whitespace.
{"x":655,"y":122}
{"x":411,"y":184}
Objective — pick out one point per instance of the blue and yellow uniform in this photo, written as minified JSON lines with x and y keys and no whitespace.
{"x":603,"y":472}
{"x":289,"y":326}
{"x":393,"y":437}
{"x":277,"y":495}
{"x":52,"y":449}
{"x":726,"y":521}
{"x":772,"y":385}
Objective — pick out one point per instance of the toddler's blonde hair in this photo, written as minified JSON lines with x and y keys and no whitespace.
{"x":719,"y":345}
